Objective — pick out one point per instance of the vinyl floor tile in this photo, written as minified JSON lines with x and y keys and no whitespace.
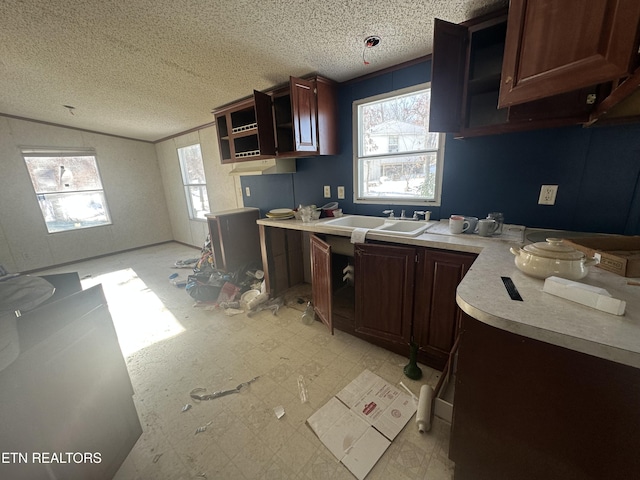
{"x":172,"y":346}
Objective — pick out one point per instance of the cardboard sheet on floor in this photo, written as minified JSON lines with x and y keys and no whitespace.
{"x":361,"y":421}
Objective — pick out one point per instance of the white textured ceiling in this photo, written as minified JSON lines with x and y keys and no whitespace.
{"x":153,"y":68}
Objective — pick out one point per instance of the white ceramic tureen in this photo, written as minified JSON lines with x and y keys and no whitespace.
{"x":552,"y":258}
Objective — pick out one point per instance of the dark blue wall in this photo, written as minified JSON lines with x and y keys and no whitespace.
{"x":597,"y":170}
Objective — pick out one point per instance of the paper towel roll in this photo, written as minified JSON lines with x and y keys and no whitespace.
{"x":423,"y":414}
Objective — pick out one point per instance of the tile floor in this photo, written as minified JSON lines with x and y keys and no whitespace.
{"x":171,"y":347}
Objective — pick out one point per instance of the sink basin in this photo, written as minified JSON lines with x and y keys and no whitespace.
{"x":404,"y":228}
{"x":386,"y":226}
{"x":356,"y":221}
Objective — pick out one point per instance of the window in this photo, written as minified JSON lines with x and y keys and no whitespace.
{"x":195,"y":185}
{"x":68,"y":187}
{"x":393,"y":144}
{"x":396,"y":158}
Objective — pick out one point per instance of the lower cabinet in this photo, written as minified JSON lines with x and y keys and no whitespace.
{"x":384,"y":286}
{"x":526,"y":409}
{"x":436,"y":314}
{"x":282,"y":259}
{"x":399,"y":294}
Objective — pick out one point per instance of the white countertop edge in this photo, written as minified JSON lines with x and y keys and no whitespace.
{"x":564,"y":340}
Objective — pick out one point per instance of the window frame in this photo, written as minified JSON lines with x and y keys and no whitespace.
{"x":54,"y":152}
{"x":357,"y":148}
{"x":188,"y":186}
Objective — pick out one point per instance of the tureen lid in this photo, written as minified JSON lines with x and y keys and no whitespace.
{"x":554,"y":248}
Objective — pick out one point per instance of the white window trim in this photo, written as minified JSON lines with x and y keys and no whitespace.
{"x":356,"y":149}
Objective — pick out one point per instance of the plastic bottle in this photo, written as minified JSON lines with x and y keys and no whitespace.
{"x":309,"y":316}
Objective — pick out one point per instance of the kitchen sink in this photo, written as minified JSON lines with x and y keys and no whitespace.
{"x":356,"y":221}
{"x":386,"y":226}
{"x":404,"y":228}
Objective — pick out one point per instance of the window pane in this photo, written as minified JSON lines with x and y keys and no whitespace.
{"x":198,"y":201}
{"x":399,"y":124}
{"x":194,"y":181}
{"x":410,"y":177}
{"x":191,"y":164}
{"x":70,"y":211}
{"x":60,"y":174}
{"x":396,"y":159}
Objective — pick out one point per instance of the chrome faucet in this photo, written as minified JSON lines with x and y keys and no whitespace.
{"x":390,"y":212}
{"x":403,"y":216}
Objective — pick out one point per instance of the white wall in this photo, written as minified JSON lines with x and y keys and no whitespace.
{"x":132,"y":184}
{"x":223,"y":190}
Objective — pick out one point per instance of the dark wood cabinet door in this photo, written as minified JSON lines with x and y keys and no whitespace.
{"x":436,"y":313}
{"x":554,"y":47}
{"x":264,"y":119}
{"x":304,"y":115}
{"x":523,"y":409}
{"x":448,"y":67}
{"x":384,"y":277}
{"x":321,"y":285}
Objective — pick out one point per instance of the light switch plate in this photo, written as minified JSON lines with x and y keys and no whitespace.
{"x":327,"y":191}
{"x":341,"y":192}
{"x":247,"y":191}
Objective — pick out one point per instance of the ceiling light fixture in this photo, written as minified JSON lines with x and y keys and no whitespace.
{"x":369,"y":42}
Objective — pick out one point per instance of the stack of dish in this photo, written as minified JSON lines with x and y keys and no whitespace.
{"x":280,"y":213}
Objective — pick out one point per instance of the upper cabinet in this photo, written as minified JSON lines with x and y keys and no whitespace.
{"x":245,"y":130}
{"x":299,"y":119}
{"x":555,"y":47}
{"x":543,"y":64}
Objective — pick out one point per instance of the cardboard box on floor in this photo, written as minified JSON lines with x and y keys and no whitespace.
{"x":619,"y":254}
{"x":361,"y":421}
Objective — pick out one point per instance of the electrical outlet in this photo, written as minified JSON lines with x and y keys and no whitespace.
{"x":548,"y":195}
{"x":247,"y":191}
{"x":327,"y":191}
{"x":341,"y":192}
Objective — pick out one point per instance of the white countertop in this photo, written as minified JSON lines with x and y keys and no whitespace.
{"x":540,"y":316}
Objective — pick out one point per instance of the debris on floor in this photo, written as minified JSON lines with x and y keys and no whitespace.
{"x":359,"y":423}
{"x":156,"y":458}
{"x":188,"y":263}
{"x":274,"y":305}
{"x":279,"y":411}
{"x":228,"y":292}
{"x":203,"y":428}
{"x":196,"y":395}
{"x":186,"y":407}
{"x":302,"y":390}
{"x":175,"y":279}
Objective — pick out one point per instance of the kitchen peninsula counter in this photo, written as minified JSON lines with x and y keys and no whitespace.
{"x":544,"y":387}
{"x":539,"y":316}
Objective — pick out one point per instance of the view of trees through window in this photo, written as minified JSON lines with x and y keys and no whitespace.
{"x":68,"y":188}
{"x":397,"y":157}
{"x":195,"y":184}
